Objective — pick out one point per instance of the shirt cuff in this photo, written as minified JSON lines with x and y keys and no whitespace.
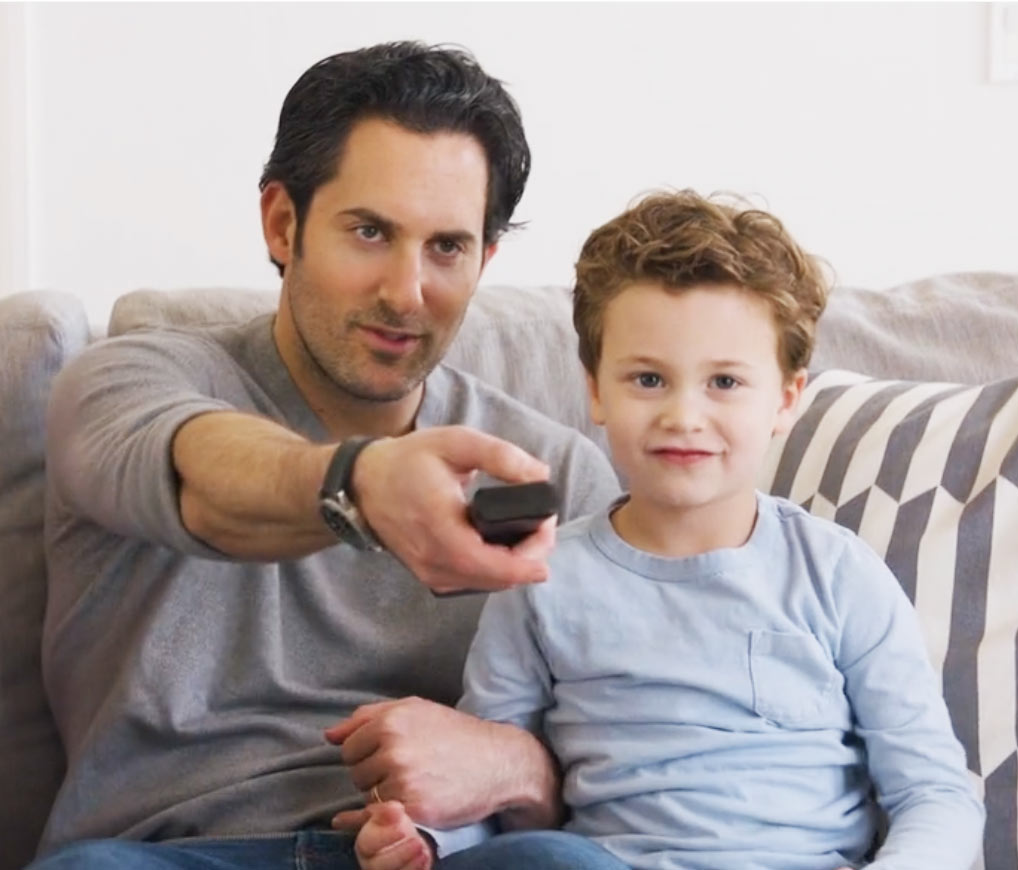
{"x":451,"y":840}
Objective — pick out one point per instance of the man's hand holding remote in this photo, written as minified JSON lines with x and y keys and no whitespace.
{"x":411,"y":492}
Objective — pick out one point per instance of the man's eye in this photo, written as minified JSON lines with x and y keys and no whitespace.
{"x":648,"y":380}
{"x":368,"y":232}
{"x":448,"y":247}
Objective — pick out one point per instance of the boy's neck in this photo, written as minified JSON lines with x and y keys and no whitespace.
{"x":681,"y":532}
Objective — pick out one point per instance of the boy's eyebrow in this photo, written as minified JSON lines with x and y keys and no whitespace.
{"x":729,"y":363}
{"x":390,"y":227}
{"x":640,"y":359}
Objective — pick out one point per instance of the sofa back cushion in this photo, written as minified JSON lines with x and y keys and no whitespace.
{"x":957,"y":328}
{"x":38,"y":333}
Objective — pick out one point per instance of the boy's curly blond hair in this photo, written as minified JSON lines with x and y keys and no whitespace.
{"x":683,"y":240}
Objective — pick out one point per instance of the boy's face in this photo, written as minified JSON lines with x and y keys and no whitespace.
{"x":690,"y":391}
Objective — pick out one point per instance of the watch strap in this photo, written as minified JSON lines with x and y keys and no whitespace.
{"x":339,"y":474}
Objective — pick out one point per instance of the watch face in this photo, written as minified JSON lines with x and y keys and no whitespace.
{"x":336,"y":521}
{"x":342,"y":516}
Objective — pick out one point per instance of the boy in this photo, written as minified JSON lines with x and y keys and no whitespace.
{"x":725,"y":680}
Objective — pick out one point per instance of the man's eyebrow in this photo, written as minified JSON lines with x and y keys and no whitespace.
{"x":463,"y":237}
{"x":386,"y":225}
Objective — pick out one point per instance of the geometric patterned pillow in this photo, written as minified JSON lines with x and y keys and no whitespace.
{"x":927,"y":475}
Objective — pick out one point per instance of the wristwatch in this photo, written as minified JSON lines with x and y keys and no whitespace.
{"x":336,"y":498}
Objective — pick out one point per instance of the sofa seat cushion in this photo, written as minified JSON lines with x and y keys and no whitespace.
{"x":927,"y":474}
{"x":39,"y":331}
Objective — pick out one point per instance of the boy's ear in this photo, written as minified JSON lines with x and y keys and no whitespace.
{"x":788,"y":410}
{"x":596,"y":411}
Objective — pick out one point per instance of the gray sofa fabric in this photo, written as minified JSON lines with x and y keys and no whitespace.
{"x":38,"y":333}
{"x":959,"y":328}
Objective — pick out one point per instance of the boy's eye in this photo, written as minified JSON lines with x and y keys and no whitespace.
{"x":725,"y":382}
{"x":648,"y":380}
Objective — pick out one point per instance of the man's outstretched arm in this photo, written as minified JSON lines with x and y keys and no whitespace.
{"x":249,"y":488}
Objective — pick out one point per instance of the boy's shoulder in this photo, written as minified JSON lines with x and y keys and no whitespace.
{"x":835,"y":552}
{"x":795,"y":520}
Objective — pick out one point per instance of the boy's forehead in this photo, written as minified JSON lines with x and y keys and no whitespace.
{"x":699,"y":316}
{"x":720,"y":288}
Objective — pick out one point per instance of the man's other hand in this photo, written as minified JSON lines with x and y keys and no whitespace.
{"x":446,"y":767}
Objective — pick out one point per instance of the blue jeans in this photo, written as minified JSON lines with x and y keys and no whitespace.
{"x":325,"y":850}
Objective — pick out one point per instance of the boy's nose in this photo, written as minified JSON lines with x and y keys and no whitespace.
{"x":682,"y":413}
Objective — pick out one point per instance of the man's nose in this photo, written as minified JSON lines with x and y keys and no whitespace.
{"x":401,"y":283}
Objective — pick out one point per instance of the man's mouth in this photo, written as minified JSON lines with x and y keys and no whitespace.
{"x":390,"y":340}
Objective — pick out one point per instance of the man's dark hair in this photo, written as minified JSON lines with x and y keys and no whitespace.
{"x":425,"y":89}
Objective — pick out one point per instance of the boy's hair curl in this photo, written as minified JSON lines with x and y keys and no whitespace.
{"x":682,"y":240}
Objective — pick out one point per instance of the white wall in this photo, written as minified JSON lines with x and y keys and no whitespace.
{"x":13,"y":156}
{"x":870,"y":128}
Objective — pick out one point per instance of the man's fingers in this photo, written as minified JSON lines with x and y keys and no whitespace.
{"x":481,"y":566}
{"x":349,"y":820}
{"x":538,"y":546}
{"x":342,"y":730}
{"x":469,"y":449}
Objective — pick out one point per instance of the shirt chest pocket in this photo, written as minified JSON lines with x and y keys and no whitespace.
{"x":795,"y":684}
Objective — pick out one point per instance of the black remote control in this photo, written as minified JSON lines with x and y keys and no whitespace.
{"x":507,"y":514}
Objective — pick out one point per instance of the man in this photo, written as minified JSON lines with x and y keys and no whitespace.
{"x":204,"y":626}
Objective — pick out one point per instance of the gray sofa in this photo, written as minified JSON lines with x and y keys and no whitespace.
{"x":909,"y":435}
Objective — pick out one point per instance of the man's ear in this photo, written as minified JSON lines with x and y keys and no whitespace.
{"x":489,"y":252}
{"x":279,"y":222}
{"x":791,"y":392}
{"x":596,"y":410}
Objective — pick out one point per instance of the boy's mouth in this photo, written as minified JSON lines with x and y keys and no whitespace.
{"x":681,"y":455}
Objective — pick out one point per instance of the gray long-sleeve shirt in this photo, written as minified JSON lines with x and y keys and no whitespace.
{"x":191,"y":691}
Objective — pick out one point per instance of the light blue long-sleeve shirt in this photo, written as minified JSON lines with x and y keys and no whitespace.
{"x":732,"y":710}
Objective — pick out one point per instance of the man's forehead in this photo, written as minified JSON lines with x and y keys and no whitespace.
{"x":407,"y":176}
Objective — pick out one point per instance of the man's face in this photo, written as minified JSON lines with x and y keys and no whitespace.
{"x":391,"y":253}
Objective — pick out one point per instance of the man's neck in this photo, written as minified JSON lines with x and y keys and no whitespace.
{"x":341,"y":413}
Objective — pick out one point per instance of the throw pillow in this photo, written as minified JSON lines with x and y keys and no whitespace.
{"x":927,"y":474}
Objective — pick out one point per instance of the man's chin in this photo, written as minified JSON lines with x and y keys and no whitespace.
{"x":382,"y":391}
